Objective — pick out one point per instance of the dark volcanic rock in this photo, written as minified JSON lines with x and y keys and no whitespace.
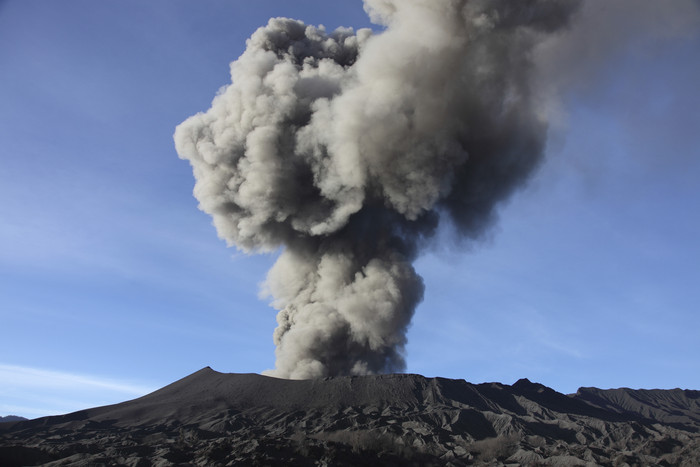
{"x":210,"y":418}
{"x":11,"y":418}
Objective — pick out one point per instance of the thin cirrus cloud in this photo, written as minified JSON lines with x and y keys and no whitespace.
{"x":24,"y":391}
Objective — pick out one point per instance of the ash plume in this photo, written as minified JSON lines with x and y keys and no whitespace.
{"x":347,"y":149}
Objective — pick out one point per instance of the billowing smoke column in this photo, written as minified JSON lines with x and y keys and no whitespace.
{"x":346,"y":148}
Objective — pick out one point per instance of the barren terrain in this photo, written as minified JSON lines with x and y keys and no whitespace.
{"x":211,"y":418}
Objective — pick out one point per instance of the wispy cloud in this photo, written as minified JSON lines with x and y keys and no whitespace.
{"x":32,"y":392}
{"x":46,"y":379}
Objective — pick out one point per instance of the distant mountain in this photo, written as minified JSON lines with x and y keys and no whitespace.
{"x":11,"y":418}
{"x":211,"y":418}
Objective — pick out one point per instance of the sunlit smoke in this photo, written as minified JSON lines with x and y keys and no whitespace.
{"x":348,"y":148}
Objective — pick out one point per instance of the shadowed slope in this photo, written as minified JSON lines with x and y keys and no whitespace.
{"x":210,"y":417}
{"x":676,"y":407}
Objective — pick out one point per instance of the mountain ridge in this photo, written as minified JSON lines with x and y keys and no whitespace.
{"x":399,"y":419}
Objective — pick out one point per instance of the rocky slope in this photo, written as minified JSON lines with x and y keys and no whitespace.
{"x":210,"y":418}
{"x":11,"y":418}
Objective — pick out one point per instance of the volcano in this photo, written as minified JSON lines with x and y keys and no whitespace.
{"x":212,"y":418}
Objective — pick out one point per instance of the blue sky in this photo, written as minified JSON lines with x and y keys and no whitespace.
{"x":112,"y":283}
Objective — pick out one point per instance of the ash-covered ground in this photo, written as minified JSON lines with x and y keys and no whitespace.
{"x":211,"y":418}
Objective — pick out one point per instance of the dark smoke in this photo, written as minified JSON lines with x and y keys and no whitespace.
{"x":347,"y":148}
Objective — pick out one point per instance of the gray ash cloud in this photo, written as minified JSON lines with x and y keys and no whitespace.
{"x":348,"y":148}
